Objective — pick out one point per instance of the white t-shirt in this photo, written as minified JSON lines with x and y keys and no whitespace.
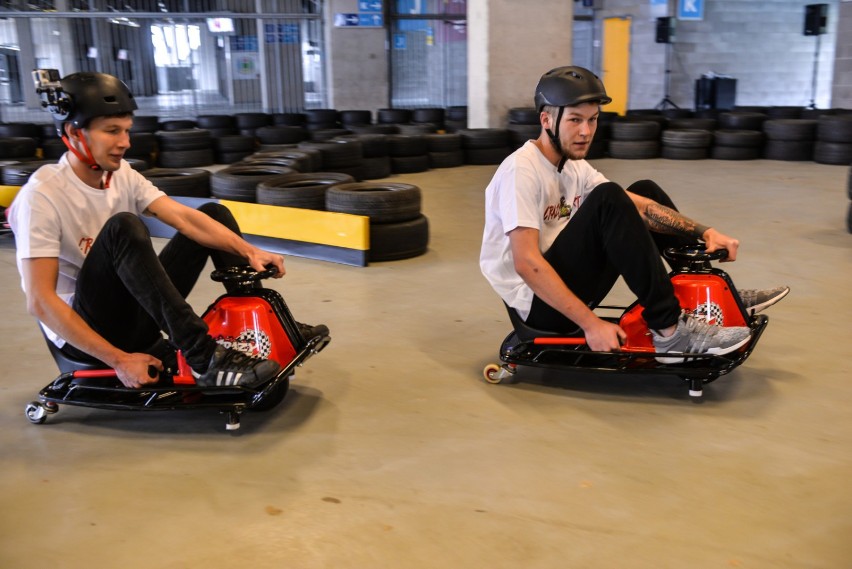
{"x":55,"y":214}
{"x":527,"y":191}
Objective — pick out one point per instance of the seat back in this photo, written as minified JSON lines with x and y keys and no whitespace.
{"x":66,"y":363}
{"x":527,"y":333}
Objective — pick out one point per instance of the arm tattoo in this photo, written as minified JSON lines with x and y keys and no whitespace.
{"x":666,"y":220}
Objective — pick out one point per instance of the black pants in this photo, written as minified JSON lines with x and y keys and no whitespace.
{"x":128,"y":294}
{"x":607,"y":238}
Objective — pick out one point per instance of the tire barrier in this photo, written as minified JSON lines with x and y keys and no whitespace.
{"x":189,"y":182}
{"x":306,"y":191}
{"x":239,"y":181}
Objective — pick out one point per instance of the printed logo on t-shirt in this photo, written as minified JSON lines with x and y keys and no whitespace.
{"x":85,"y":244}
{"x":562,"y":210}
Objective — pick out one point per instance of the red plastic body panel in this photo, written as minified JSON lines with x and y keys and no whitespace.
{"x":706,"y":295}
{"x":249,"y":324}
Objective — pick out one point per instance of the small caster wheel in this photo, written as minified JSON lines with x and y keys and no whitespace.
{"x":496,"y":374}
{"x":696,"y":391}
{"x":233,"y":421}
{"x":35,"y":412}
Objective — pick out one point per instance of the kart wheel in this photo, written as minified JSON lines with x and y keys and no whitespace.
{"x":35,"y":412}
{"x":496,"y":374}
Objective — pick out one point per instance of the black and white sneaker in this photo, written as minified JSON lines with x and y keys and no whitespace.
{"x":755,"y":300}
{"x":233,"y":368}
{"x":695,"y":336}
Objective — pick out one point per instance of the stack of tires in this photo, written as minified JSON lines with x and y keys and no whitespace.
{"x":834,"y":140}
{"x":444,"y":150}
{"x":398,"y":229}
{"x":686,"y":144}
{"x":789,"y":139}
{"x":735,"y":144}
{"x":524,"y":125}
{"x":248,"y":123}
{"x":190,"y":182}
{"x":239,"y":182}
{"x":430,"y":119}
{"x":485,"y":146}
{"x":375,"y":159}
{"x":456,"y":118}
{"x":635,"y":139}
{"x":299,"y":190}
{"x":232,"y":148}
{"x":355,"y":118}
{"x":393,"y":116}
{"x":322,"y":119}
{"x":409,"y":153}
{"x":339,"y":155}
{"x":218,"y":125}
{"x":143,"y":138}
{"x":189,"y":148}
{"x":52,"y":147}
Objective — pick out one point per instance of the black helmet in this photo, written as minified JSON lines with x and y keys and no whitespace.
{"x":569,"y":86}
{"x":88,"y":95}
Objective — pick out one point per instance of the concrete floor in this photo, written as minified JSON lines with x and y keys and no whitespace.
{"x":392,"y":452}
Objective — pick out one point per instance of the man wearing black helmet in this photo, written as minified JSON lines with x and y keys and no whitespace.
{"x":553,"y":273}
{"x":88,"y":268}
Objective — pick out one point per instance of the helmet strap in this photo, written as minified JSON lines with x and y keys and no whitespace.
{"x":88,"y":159}
{"x":554,"y":139}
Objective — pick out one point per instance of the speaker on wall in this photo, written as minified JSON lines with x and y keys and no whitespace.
{"x":816,"y":19}
{"x":665,"y":30}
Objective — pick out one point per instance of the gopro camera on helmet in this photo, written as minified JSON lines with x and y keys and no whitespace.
{"x":48,"y":84}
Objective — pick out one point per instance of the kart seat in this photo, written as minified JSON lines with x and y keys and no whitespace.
{"x":66,"y":363}
{"x":527,"y":333}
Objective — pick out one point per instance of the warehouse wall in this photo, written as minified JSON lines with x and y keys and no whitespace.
{"x":841,"y":91}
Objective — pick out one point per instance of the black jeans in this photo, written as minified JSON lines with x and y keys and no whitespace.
{"x":128,"y":294}
{"x":607,"y":238}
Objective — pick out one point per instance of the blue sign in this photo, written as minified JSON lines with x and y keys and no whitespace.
{"x":281,"y":33}
{"x":346,"y":20}
{"x":370,"y":20}
{"x":243,"y":43}
{"x":369,"y":5}
{"x":690,"y":9}
{"x":399,"y":41}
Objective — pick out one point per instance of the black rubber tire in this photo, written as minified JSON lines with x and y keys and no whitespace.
{"x":524,"y":115}
{"x":407,"y":145}
{"x":326,"y":134}
{"x":306,"y":191}
{"x":409,"y":164}
{"x":678,"y":153}
{"x":335,"y":154}
{"x":839,"y":153}
{"x":239,"y":182}
{"x":376,"y":168}
{"x":693,"y":123}
{"x":372,"y":145}
{"x":234,"y":143}
{"x":739,"y":120}
{"x":373,"y":129}
{"x":433,"y":115}
{"x":784,"y":112}
{"x":690,"y":138}
{"x":299,"y":160}
{"x":396,"y":241}
{"x":355,"y":117}
{"x":450,"y":159}
{"x":486,"y":156}
{"x":520,"y":133}
{"x":14,"y":147}
{"x":382,"y":202}
{"x":421,"y":129}
{"x":53,"y":149}
{"x":252,"y":121}
{"x":736,"y":152}
{"x":179,"y":124}
{"x":443,"y":142}
{"x":835,"y":128}
{"x":281,"y":134}
{"x":143,"y":123}
{"x":230,"y":157}
{"x":634,"y":130}
{"x":457,"y":113}
{"x":290,"y":119}
{"x":20,"y":130}
{"x":475,"y":138}
{"x":185,"y":158}
{"x":191,"y":139}
{"x":790,"y":129}
{"x":393,"y":116}
{"x":744,"y":138}
{"x":634,"y":149}
{"x":189,"y":182}
{"x":323,"y":116}
{"x":142,"y":144}
{"x":137,"y":164}
{"x":216,"y":121}
{"x":789,"y":150}
{"x":18,"y":174}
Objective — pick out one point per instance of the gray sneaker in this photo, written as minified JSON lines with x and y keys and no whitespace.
{"x":756,"y":300}
{"x":694,"y":336}
{"x":232,"y":368}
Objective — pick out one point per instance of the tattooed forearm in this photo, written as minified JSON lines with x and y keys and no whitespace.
{"x":666,"y":220}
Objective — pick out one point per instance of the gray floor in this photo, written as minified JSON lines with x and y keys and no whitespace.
{"x":391,"y":451}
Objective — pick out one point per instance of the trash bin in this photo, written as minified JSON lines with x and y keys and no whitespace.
{"x":715,"y":92}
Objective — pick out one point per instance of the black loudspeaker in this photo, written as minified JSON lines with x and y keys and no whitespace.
{"x":816,"y":19}
{"x":665,"y":30}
